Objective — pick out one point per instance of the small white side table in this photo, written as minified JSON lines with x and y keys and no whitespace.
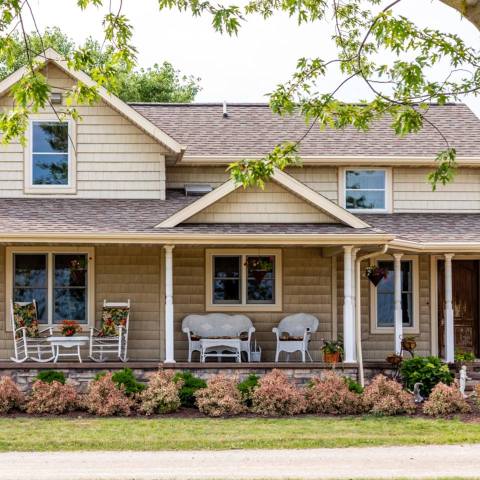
{"x":68,"y":342}
{"x":232,"y":344}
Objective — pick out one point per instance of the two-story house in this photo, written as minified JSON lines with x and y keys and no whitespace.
{"x":140,"y":197}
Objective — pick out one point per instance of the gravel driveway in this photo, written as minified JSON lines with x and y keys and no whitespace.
{"x":379,"y":462}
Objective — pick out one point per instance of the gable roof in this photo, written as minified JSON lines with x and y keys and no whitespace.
{"x":253,"y":130}
{"x":282,"y":178}
{"x":50,"y":55}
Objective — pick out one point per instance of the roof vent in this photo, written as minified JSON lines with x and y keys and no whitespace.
{"x":56,"y":98}
{"x":225,"y":111}
{"x":197,"y":189}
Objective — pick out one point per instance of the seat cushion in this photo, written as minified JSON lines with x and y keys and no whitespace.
{"x":112,"y":318}
{"x":26,"y":316}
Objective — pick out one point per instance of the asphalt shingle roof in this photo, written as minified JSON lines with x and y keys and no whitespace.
{"x":252,"y":129}
{"x":64,"y":215}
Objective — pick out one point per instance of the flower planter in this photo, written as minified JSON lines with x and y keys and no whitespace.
{"x":331,"y":357}
{"x":409,"y":344}
{"x":376,"y":277}
{"x":394,"y":359}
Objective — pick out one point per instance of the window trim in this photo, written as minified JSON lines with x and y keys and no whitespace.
{"x":71,"y":187}
{"x":342,"y":183}
{"x":50,"y":251}
{"x":243,"y":306}
{"x":415,"y":328}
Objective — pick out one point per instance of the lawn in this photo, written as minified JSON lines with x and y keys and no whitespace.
{"x":50,"y":434}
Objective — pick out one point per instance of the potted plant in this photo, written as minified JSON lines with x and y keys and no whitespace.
{"x":70,"y":328}
{"x":394,"y":359}
{"x":332,"y":351}
{"x":409,"y":343}
{"x":259,"y":267}
{"x":376,"y":274}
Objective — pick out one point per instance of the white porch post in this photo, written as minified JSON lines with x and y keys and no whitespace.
{"x":348,"y":318}
{"x":398,"y":320}
{"x":169,"y":337}
{"x":449,"y":329}
{"x":354,"y":301}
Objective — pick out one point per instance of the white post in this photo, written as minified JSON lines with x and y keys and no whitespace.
{"x":354,"y":301}
{"x":449,"y":329}
{"x":169,"y":336}
{"x":398,"y":317}
{"x":348,"y":323}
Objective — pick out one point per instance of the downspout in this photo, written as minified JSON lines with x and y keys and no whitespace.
{"x":358,"y":309}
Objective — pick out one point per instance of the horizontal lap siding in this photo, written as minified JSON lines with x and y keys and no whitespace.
{"x":274,"y":204}
{"x":306,"y":288}
{"x":115,"y":158}
{"x":133,"y":272}
{"x":6,"y":340}
{"x":413,"y":193}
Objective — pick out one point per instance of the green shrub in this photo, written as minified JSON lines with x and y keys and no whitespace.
{"x":126,"y":378}
{"x":353,"y":386}
{"x":462,"y":356}
{"x":191,"y":384}
{"x":429,"y":371}
{"x":246,"y":388}
{"x":49,"y":376}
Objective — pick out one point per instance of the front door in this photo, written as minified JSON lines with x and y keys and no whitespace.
{"x":465,"y":305}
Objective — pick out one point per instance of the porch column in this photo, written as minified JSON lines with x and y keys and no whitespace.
{"x":354,"y":301}
{"x":398,"y":317}
{"x":348,"y":319}
{"x":169,"y":356}
{"x":449,"y":330}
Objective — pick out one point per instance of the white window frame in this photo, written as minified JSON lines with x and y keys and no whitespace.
{"x":71,"y":187}
{"x":342,"y":183}
{"x":50,"y":251}
{"x":243,"y":306}
{"x":415,"y":328}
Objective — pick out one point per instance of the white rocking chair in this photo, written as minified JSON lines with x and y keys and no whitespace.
{"x":298,"y":329}
{"x":29,"y":342}
{"x":112,"y":337}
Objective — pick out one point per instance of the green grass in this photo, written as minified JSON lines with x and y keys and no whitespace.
{"x":50,"y":434}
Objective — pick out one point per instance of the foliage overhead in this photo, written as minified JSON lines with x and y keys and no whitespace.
{"x":395,"y":58}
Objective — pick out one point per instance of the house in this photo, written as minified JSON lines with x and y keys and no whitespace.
{"x":109,"y":194}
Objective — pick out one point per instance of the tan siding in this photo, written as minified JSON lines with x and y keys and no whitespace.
{"x":115,"y":159}
{"x":321,"y":179}
{"x":274,"y":204}
{"x":412,"y":192}
{"x":6,"y":342}
{"x":133,"y":272}
{"x":306,"y":288}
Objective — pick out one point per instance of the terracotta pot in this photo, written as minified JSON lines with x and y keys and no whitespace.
{"x":331,"y":357}
{"x":375,"y":277}
{"x":409,"y":345}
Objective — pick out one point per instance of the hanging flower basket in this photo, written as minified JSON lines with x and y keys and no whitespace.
{"x":376,"y":274}
{"x":394,"y":359}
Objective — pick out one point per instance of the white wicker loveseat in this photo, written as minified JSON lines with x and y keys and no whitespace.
{"x":217,"y":325}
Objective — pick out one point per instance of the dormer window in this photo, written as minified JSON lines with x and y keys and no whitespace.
{"x":366,"y":190}
{"x":50,"y":159}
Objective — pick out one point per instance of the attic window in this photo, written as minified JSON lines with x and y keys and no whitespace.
{"x":197,"y":189}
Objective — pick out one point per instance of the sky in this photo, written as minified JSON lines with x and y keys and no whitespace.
{"x":234,"y":69}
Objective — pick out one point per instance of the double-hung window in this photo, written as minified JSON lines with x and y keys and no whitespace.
{"x":366,"y":190}
{"x":50,"y":164}
{"x":60,"y":281}
{"x":247,"y":280}
{"x":383,"y":297}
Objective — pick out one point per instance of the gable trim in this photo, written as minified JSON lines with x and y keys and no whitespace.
{"x":50,"y":55}
{"x":282,"y":178}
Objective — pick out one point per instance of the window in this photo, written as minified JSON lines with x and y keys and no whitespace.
{"x":61,"y":283}
{"x":49,"y":153}
{"x":366,"y":190}
{"x":383,"y":297}
{"x":248,"y":280}
{"x":50,"y":160}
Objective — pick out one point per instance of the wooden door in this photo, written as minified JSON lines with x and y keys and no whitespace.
{"x":465,"y":305}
